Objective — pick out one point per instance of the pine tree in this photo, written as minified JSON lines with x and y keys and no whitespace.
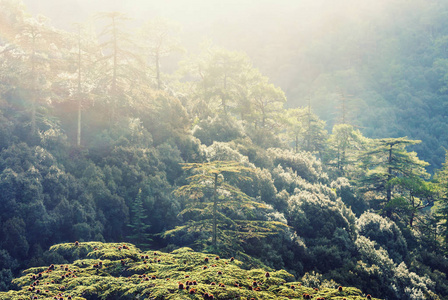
{"x":314,"y":134}
{"x":387,"y":160}
{"x":223,"y":209}
{"x":119,"y":64}
{"x":140,"y":235}
{"x":345,"y":145}
{"x":160,"y":40}
{"x":441,"y":205}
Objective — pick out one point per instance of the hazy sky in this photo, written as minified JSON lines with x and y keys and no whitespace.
{"x":269,"y":31}
{"x":228,"y":23}
{"x":187,"y":12}
{"x":201,"y":17}
{"x":191,"y":14}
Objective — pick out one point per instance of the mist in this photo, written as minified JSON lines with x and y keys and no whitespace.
{"x":256,"y":27}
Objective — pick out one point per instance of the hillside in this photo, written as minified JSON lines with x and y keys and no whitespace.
{"x":98,"y":142}
{"x":386,"y":60}
{"x":122,"y":271}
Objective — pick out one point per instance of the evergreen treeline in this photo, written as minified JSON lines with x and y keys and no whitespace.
{"x":99,"y":144}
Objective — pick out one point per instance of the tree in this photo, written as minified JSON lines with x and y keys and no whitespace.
{"x":213,"y":200}
{"x":267,"y":100}
{"x":119,"y":61}
{"x":12,"y":18}
{"x":293,"y":126}
{"x":388,"y":159}
{"x":314,"y":134}
{"x":77,"y":80}
{"x":82,"y":89}
{"x":441,"y":205}
{"x":345,"y":145}
{"x":39,"y":42}
{"x":137,"y":223}
{"x":414,"y":195}
{"x":218,"y":80}
{"x":159,"y":42}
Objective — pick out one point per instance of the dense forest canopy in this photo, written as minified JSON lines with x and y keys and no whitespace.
{"x":318,"y":149}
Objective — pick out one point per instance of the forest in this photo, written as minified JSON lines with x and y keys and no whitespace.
{"x":334,"y":187}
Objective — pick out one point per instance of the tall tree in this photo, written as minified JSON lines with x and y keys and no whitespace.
{"x":119,"y":62}
{"x":441,"y":205}
{"x":267,"y":101}
{"x":388,"y":159}
{"x":293,"y":126}
{"x":213,"y":200}
{"x":314,"y":134}
{"x":39,"y":42}
{"x":413,"y":195}
{"x":78,"y":79}
{"x":159,"y":40}
{"x":12,"y":17}
{"x":80,"y":76}
{"x":138,"y":224}
{"x":345,"y":145}
{"x":217,"y":73}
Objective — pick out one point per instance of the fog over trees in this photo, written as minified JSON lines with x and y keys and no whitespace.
{"x":303,"y":137}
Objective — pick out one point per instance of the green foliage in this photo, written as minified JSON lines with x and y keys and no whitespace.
{"x":385,"y":233}
{"x":140,"y":235}
{"x":216,"y":206}
{"x":222,"y":128}
{"x":141,"y":124}
{"x":317,"y":216}
{"x":345,"y":146}
{"x":387,"y":160}
{"x":441,"y":207}
{"x":348,"y":194}
{"x":377,"y":267}
{"x":303,"y":164}
{"x":122,"y":271}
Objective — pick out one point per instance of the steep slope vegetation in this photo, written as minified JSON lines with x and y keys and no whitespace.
{"x":122,"y":271}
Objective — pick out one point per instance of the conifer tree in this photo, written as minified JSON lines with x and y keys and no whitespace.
{"x":38,"y":41}
{"x":217,"y":206}
{"x":313,"y":135}
{"x":119,"y":62}
{"x":387,"y":160}
{"x":140,"y":235}
{"x":160,"y":40}
{"x":345,"y":145}
{"x":441,"y":205}
{"x":267,"y":101}
{"x":294,"y":126}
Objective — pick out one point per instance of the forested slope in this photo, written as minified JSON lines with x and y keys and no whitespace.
{"x":99,"y":144}
{"x":386,"y":62}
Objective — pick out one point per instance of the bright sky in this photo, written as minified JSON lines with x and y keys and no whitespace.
{"x":253,"y":26}
{"x":200,"y":14}
{"x":190,"y":13}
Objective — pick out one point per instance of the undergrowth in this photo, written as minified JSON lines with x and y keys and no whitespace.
{"x":101,"y":271}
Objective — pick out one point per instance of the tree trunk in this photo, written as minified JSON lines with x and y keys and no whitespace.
{"x":159,"y":83}
{"x":297,"y":143}
{"x":114,"y":76}
{"x":342,"y":162}
{"x":389,"y":187}
{"x":389,"y":176}
{"x":33,"y":87}
{"x":215,"y":209}
{"x":411,"y":220}
{"x":78,"y":134}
